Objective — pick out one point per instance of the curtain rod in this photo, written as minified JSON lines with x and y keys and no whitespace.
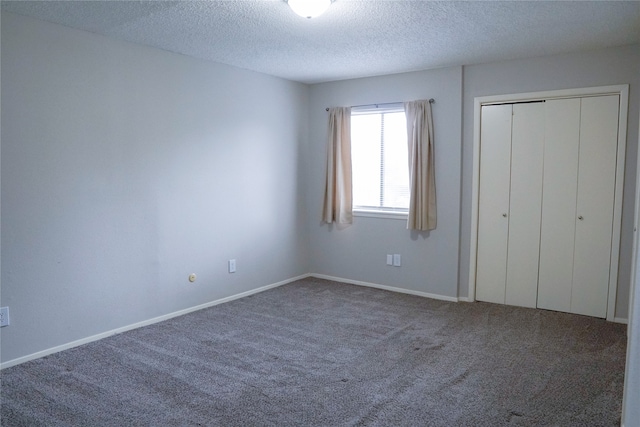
{"x":431,"y":101}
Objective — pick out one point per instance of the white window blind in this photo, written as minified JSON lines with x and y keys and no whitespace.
{"x":379,"y":159}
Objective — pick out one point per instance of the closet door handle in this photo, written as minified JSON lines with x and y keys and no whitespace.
{"x":580,"y":217}
{"x":504,"y":215}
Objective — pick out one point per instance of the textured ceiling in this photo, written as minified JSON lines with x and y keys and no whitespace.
{"x":353,"y":38}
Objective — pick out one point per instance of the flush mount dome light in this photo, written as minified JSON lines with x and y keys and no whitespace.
{"x":309,"y":8}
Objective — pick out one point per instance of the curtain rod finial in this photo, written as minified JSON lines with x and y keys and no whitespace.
{"x":431,"y":100}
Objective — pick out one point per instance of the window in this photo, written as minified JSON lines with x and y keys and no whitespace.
{"x":379,"y":161}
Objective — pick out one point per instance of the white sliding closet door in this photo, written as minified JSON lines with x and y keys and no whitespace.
{"x":493,"y":225}
{"x":578,"y":201}
{"x":596,"y":189}
{"x":560,"y":182}
{"x":549,"y":207}
{"x":523,"y":248}
{"x":510,"y":203}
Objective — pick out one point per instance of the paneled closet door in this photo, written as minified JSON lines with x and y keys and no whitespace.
{"x":493,"y":223}
{"x":512,"y":138}
{"x":546,"y":203}
{"x":560,"y":182}
{"x":525,"y":205}
{"x":596,"y":189}
{"x":577,"y":219}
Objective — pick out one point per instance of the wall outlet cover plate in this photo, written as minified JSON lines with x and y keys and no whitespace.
{"x":4,"y":316}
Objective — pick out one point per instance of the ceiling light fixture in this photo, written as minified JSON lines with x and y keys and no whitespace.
{"x":309,"y":8}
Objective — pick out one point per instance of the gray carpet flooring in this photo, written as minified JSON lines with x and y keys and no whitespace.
{"x":320,"y":353}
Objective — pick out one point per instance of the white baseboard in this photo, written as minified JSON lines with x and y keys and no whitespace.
{"x":386,"y":288}
{"x":158,"y":319}
{"x":620,"y":320}
{"x":106,"y":334}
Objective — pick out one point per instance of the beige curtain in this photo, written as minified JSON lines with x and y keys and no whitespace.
{"x":338,"y":192}
{"x":422,"y":181}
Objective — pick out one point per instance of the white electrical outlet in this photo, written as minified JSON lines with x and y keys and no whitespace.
{"x":232,"y":266}
{"x":4,"y":316}
{"x":389,"y":259}
{"x":397,"y":260}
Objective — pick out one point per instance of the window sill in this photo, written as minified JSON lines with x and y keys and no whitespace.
{"x":380,"y":214}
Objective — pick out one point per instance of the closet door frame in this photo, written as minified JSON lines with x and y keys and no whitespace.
{"x":623,"y":92}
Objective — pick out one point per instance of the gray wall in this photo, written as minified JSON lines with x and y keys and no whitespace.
{"x":597,"y":68}
{"x":358,"y":252}
{"x":125,"y":169}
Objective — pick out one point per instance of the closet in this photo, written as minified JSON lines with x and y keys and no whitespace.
{"x":547,"y":183}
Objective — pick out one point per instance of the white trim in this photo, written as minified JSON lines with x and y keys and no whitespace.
{"x":636,"y":242}
{"x":162,"y":318}
{"x":372,"y":213}
{"x":622,"y":320}
{"x":475,"y":200}
{"x":554,"y":94}
{"x":623,"y":92}
{"x":387,"y":107}
{"x":386,"y":288}
{"x":158,"y":319}
{"x":623,"y":112}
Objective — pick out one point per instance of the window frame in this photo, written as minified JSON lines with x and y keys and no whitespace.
{"x":372,"y":212}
